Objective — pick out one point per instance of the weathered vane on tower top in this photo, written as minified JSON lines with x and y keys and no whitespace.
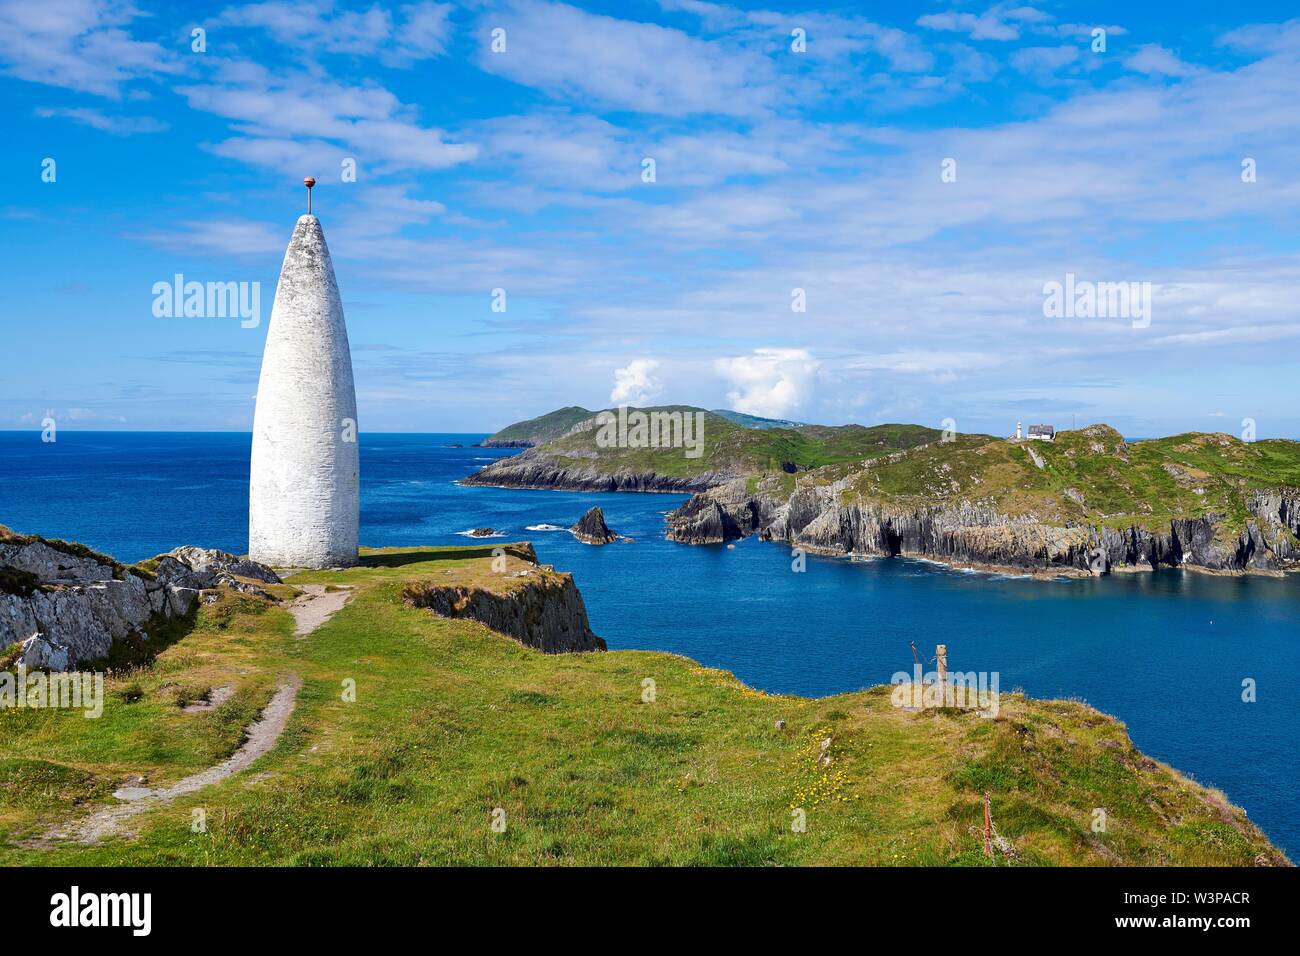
{"x":309,"y":182}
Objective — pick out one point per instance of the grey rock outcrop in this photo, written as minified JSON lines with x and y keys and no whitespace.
{"x":222,"y":562}
{"x":545,"y":612}
{"x":80,"y":603}
{"x":591,"y":528}
{"x":535,"y":468}
{"x":41,"y":654}
{"x":199,"y":569}
{"x":55,"y":562}
{"x":817,"y":517}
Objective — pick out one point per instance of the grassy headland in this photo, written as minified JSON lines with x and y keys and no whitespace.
{"x":452,"y":721}
{"x":730,"y":450}
{"x":543,"y":428}
{"x":1085,"y":500}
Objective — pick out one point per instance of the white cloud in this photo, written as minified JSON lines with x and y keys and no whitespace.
{"x":572,"y":54}
{"x":561,"y":148}
{"x":425,"y":29}
{"x":634,"y":384}
{"x":315,"y":25}
{"x":276,"y":114}
{"x":383,"y":210}
{"x":1153,"y":59}
{"x":771,"y":381}
{"x":1002,"y":21}
{"x":78,"y":44}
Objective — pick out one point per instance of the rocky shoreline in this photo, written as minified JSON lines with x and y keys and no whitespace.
{"x":968,"y":535}
{"x":530,"y":470}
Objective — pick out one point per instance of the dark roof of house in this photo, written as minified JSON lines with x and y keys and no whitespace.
{"x":1042,"y":430}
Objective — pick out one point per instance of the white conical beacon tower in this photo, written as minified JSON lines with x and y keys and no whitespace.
{"x":304,"y":488}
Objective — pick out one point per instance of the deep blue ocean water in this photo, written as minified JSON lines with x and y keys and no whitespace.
{"x":1166,"y":652}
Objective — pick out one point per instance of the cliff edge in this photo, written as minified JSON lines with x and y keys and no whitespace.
{"x":1087,"y":503}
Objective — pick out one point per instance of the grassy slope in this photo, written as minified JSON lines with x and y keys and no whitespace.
{"x":543,"y":427}
{"x":1146,"y":483}
{"x":731,"y":447}
{"x":452,"y":721}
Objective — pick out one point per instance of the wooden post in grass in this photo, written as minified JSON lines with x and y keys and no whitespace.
{"x":941,"y":665}
{"x":988,"y":827}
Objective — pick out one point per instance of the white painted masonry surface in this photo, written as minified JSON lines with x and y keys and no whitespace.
{"x":304,"y":489}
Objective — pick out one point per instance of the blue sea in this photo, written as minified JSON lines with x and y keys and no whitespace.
{"x":1167,"y":653}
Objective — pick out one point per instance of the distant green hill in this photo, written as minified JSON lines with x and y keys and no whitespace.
{"x":727,"y":450}
{"x":543,"y":428}
{"x":534,"y":431}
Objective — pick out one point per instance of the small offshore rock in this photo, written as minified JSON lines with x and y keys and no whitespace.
{"x":591,"y":528}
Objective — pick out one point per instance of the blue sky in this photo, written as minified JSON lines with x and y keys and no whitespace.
{"x":775,"y":170}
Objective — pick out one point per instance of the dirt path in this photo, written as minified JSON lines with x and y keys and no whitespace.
{"x":310,"y":610}
{"x":315,"y":606}
{"x":262,"y":735}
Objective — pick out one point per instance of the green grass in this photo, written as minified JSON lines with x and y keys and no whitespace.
{"x":453,"y":721}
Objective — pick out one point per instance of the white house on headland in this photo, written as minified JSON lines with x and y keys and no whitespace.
{"x":1036,"y":432}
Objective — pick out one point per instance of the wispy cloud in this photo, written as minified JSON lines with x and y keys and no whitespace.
{"x":411,"y":33}
{"x":223,"y":237}
{"x":276,"y":112}
{"x":622,"y":64}
{"x":1154,"y":59}
{"x":96,"y":119}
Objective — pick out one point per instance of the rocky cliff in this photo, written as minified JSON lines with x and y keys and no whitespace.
{"x":997,"y":506}
{"x":538,"y":468}
{"x":534,"y":605}
{"x":64,"y":605}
